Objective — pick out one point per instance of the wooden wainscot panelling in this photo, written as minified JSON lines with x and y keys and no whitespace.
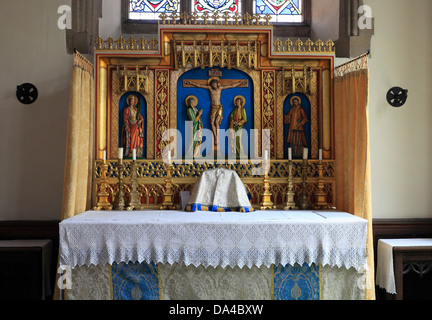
{"x":34,"y":230}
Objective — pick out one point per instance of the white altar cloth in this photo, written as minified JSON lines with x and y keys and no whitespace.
{"x":212,"y":239}
{"x":385,"y":277}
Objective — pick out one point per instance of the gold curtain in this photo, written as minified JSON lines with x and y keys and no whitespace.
{"x":79,"y":147}
{"x":352,"y":150}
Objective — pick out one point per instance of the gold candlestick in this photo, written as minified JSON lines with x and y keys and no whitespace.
{"x":120,"y":203}
{"x":289,"y":203}
{"x":304,"y":202}
{"x":321,"y":202}
{"x":135,"y":198}
{"x":168,"y":196}
{"x":266,"y":203}
{"x":103,"y":195}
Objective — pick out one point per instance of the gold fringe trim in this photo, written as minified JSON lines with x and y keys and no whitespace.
{"x":357,"y":64}
{"x":81,"y":62}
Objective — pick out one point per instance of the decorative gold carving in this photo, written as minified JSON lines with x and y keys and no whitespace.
{"x":155,"y":169}
{"x":298,"y":81}
{"x":168,"y":196}
{"x":119,"y":202}
{"x":162,"y":110}
{"x":126,"y":45}
{"x":151,"y":176}
{"x":103,"y":195}
{"x":303,"y":47}
{"x":268,"y":106}
{"x":137,"y":81}
{"x":304,"y":200}
{"x":266,"y":202}
{"x":216,"y":19}
{"x":229,"y":54}
{"x":289,"y":202}
{"x":321,"y":199}
{"x":135,"y":197}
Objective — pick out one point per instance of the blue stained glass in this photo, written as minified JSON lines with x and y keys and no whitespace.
{"x":221,"y":6}
{"x":280,"y":10}
{"x":151,"y":9}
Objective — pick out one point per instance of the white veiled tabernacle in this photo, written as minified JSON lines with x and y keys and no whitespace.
{"x":219,"y":190}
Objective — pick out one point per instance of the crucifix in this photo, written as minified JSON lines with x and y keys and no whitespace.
{"x":215,"y":86}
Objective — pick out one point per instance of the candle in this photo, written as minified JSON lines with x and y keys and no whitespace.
{"x":104,"y":157}
{"x":305,"y":153}
{"x":266,"y":155}
{"x":289,"y":154}
{"x":134,"y":154}
{"x":120,"y":153}
{"x":320,"y":154}
{"x":169,"y":156}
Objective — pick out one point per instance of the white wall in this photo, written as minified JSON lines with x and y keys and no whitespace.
{"x":401,"y":138}
{"x":32,"y":138}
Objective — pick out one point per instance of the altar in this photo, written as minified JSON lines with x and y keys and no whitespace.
{"x":164,"y":112}
{"x":277,"y":254}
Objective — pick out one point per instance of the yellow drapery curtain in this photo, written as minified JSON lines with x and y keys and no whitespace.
{"x":353,"y":178}
{"x":79,"y":147}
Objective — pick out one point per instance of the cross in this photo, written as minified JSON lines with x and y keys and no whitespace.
{"x":216,"y":17}
{"x":132,"y":42}
{"x":194,"y":17}
{"x":184,"y":16}
{"x":226,"y":17}
{"x":215,"y":88}
{"x":257,"y":18}
{"x":237,"y":18}
{"x":121,"y":42}
{"x":205,"y":17}
{"x":247,"y":18}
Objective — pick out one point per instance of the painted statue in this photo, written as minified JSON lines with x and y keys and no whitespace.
{"x":296,"y":118}
{"x":133,"y":127}
{"x":237,"y":121}
{"x":197,"y":125}
{"x":215,"y":88}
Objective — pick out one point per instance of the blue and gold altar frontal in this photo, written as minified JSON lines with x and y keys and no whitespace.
{"x":149,"y":281}
{"x":213,"y":208}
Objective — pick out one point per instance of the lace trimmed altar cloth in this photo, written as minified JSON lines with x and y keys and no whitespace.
{"x":219,"y":190}
{"x":213,"y":239}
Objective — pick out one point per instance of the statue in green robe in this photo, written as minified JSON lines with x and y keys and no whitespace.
{"x":197,"y":125}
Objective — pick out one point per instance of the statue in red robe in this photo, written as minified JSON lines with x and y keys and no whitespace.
{"x":133,"y":128}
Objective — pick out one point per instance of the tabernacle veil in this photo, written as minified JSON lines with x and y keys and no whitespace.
{"x":219,"y":190}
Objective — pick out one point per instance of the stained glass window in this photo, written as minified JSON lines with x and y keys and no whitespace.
{"x":280,"y":10}
{"x":221,"y":6}
{"x":151,"y":9}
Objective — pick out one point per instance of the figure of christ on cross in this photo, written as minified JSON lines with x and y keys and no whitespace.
{"x":215,"y":86}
